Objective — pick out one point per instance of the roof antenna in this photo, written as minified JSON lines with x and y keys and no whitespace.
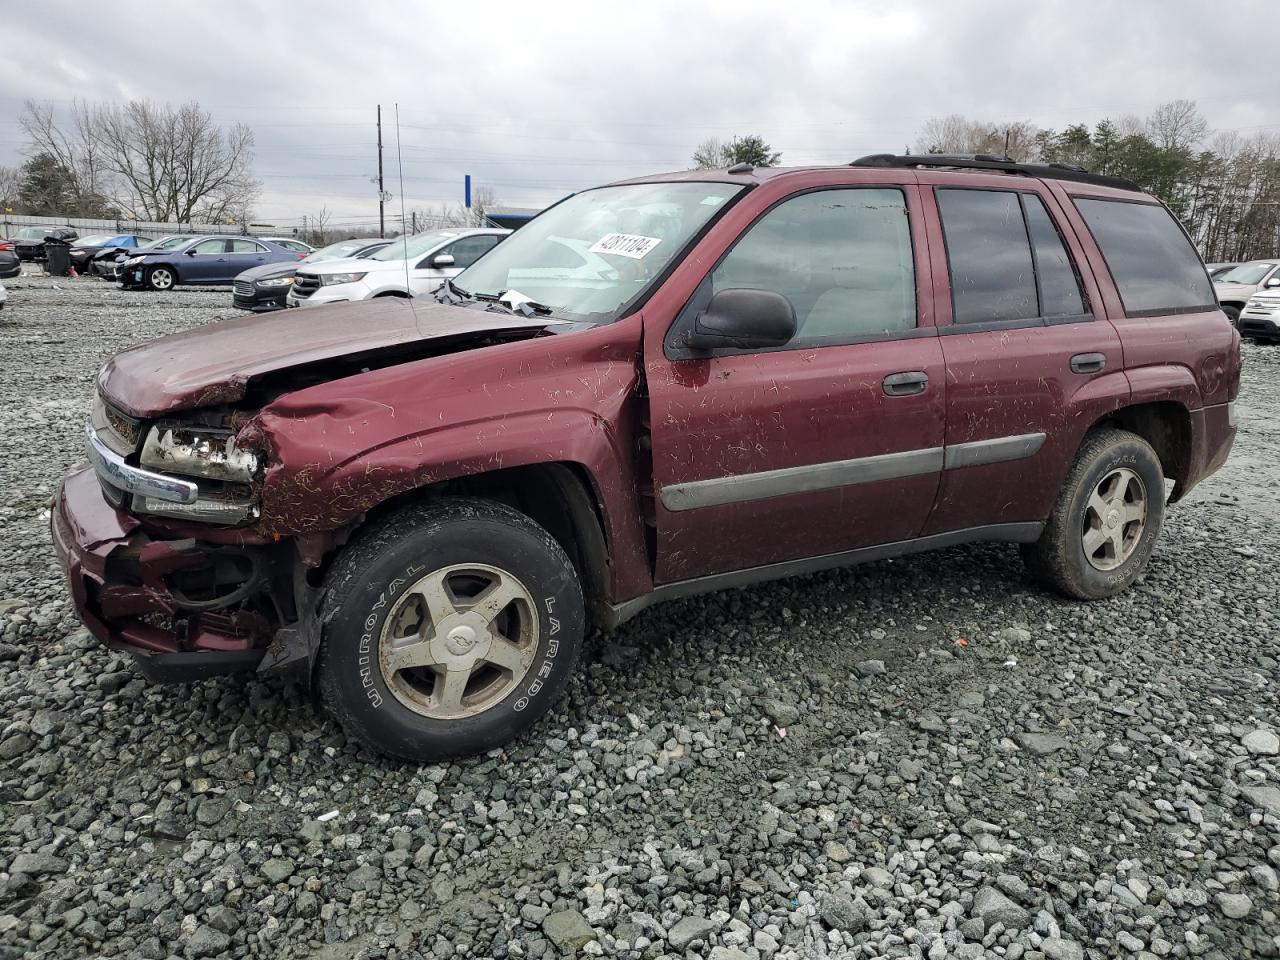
{"x":400,"y":171}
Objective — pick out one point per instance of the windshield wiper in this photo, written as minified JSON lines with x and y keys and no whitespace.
{"x":453,"y":292}
{"x":523,"y":304}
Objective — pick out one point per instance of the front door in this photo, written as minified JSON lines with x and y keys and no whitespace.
{"x":204,"y":262}
{"x":830,"y":443}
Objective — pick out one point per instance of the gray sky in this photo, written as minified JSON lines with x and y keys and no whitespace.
{"x":538,"y":99}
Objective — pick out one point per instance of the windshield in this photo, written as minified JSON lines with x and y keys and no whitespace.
{"x":34,"y":233}
{"x":337,"y":251}
{"x":597,"y":251}
{"x":1246,"y":273}
{"x":415,"y":246}
{"x":97,"y":240}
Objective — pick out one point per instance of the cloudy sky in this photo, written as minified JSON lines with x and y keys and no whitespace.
{"x":536,"y":100}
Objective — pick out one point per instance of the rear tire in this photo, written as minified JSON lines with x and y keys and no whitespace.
{"x":450,"y":628}
{"x":161,"y":278}
{"x":1104,"y":527}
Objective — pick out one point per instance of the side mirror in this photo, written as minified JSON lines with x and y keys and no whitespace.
{"x":1273,"y":282}
{"x":190,"y":252}
{"x":442,"y":260}
{"x":744,"y":319}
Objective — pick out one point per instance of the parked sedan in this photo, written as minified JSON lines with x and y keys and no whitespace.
{"x":111,"y":265}
{"x":204,"y":260}
{"x":86,"y":249}
{"x":425,"y":260}
{"x":10,"y":265}
{"x":266,"y":287}
{"x":28,"y":243}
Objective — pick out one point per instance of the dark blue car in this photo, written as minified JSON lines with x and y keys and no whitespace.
{"x":205,"y":260}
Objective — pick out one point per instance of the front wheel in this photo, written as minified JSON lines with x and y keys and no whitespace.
{"x":1105,"y":524}
{"x":1233,"y":314}
{"x":450,"y":628}
{"x":161,"y":278}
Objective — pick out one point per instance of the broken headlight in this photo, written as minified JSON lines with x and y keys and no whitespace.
{"x":225,"y":473}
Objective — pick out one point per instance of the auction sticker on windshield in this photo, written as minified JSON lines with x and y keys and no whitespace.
{"x":626,"y":245}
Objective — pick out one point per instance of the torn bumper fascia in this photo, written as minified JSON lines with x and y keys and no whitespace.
{"x":89,"y":536}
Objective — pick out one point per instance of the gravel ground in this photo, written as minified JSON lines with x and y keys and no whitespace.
{"x":920,"y":758}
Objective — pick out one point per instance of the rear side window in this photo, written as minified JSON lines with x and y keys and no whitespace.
{"x":1151,"y":260}
{"x":1059,"y":288}
{"x":992,"y":276}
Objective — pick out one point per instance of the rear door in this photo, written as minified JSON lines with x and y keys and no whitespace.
{"x":829,"y":443}
{"x":244,"y":254}
{"x":1031,"y":359}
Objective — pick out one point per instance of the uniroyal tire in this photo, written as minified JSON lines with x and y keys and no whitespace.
{"x":377,"y":584}
{"x":1062,"y":558}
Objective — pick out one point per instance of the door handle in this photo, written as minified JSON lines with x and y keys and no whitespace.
{"x":905,"y":384}
{"x":1088,"y":363}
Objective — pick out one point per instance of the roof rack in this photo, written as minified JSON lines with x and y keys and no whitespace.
{"x":998,"y":162}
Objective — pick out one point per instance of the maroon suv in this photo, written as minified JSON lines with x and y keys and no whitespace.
{"x":656,"y":388}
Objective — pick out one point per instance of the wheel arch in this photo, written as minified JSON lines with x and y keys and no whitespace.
{"x":1166,"y":425}
{"x":560,"y":496}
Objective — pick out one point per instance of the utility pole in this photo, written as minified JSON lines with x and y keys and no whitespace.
{"x":382,"y":218}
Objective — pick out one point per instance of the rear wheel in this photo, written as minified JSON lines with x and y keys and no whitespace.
{"x":1105,"y":524}
{"x":450,"y":628}
{"x":161,"y":278}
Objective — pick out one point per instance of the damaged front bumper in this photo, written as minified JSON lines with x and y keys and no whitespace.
{"x":132,"y":589}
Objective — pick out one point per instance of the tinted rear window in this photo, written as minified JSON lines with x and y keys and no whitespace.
{"x":1151,"y":260}
{"x":989,"y":253}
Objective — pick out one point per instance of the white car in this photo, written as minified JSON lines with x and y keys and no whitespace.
{"x":1260,"y":318}
{"x":1235,"y":287}
{"x":3,"y":295}
{"x":424,"y":260}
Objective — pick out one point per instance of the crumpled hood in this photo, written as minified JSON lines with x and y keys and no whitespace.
{"x":214,"y":364}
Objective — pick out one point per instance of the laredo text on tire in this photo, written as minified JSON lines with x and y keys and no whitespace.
{"x":1105,"y":524}
{"x":450,"y":628}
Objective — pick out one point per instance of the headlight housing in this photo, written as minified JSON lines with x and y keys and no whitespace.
{"x":227,"y":474}
{"x":276,"y":282}
{"x":329,"y":279}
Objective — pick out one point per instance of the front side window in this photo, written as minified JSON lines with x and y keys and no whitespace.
{"x":470,"y":249}
{"x":215,"y":245}
{"x":842,"y":257}
{"x":626,"y":236}
{"x":1154,"y":265}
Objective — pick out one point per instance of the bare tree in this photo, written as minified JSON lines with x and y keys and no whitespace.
{"x":712,"y":153}
{"x":319,"y":226}
{"x":1177,"y":125}
{"x":73,"y":145}
{"x":10,"y":179}
{"x":958,"y":134}
{"x":482,"y":201}
{"x":157,"y":162}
